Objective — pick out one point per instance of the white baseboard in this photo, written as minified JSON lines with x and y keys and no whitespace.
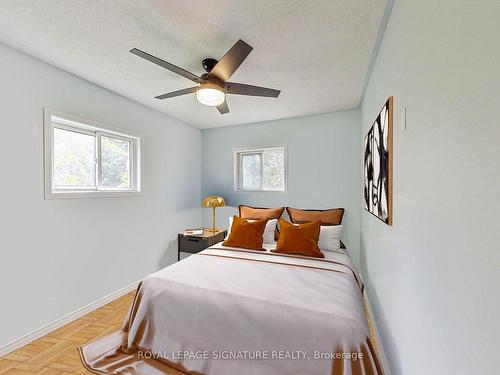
{"x":58,"y":323}
{"x":382,"y":357}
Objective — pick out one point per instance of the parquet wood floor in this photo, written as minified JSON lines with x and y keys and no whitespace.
{"x":57,"y":353}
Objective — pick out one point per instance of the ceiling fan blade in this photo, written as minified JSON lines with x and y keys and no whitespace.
{"x":189,"y":90}
{"x":166,"y":65}
{"x":223,"y":108}
{"x":242,"y":89}
{"x":233,"y":58}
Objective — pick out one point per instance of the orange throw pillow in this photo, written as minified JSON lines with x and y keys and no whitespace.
{"x":246,"y":234}
{"x":301,"y":239}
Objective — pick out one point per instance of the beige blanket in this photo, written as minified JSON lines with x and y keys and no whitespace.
{"x":233,"y":311}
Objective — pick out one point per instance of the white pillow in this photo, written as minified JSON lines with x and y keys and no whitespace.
{"x":268,"y":231}
{"x":329,"y":238}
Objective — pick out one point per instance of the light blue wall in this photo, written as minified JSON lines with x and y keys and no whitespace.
{"x":433,"y":277}
{"x":323,"y":166}
{"x":62,"y":254}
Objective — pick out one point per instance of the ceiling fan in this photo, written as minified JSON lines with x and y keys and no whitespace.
{"x":213,"y":86}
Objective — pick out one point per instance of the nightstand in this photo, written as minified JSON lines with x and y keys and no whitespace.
{"x":195,"y":243}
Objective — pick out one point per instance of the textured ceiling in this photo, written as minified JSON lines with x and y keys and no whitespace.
{"x":316,"y":52}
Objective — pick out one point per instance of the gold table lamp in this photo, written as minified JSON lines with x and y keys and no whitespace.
{"x":213,"y":201}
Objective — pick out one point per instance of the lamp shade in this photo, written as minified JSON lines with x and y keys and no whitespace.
{"x":213,"y":201}
{"x":211,"y":96}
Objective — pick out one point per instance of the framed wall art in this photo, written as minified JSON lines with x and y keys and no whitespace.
{"x":378,"y":165}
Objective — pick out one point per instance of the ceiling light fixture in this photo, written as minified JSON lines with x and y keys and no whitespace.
{"x":211,"y":87}
{"x":211,"y":95}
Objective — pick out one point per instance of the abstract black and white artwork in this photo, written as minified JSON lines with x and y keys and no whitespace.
{"x":378,"y":165}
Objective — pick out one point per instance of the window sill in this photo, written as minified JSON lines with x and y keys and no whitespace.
{"x":258,"y":191}
{"x":91,"y":194}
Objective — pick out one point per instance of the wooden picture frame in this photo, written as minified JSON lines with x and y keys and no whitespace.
{"x":378,"y":160}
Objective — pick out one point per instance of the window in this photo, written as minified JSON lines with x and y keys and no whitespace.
{"x":84,"y":159}
{"x":260,"y":169}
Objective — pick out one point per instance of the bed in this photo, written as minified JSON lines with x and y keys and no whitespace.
{"x":236,"y":311}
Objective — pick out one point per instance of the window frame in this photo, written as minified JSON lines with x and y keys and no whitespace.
{"x":237,"y":170}
{"x":63,"y":121}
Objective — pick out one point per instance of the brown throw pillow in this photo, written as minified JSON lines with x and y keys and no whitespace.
{"x":332,"y":216}
{"x":259,"y":213}
{"x":246,"y":234}
{"x":301,"y":239}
